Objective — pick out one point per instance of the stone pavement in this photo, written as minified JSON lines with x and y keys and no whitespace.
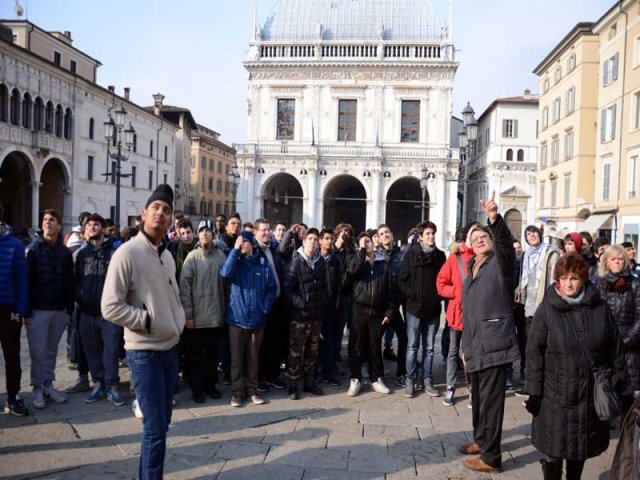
{"x":371,"y":436}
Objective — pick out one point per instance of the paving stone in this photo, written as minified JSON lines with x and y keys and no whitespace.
{"x":182,"y":465}
{"x":334,"y":458}
{"x":234,"y":450}
{"x":383,"y":417}
{"x":391,"y":431}
{"x":375,"y":459}
{"x":326,"y":474}
{"x":233,"y":471}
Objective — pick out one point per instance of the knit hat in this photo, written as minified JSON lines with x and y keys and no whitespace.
{"x":205,"y":224}
{"x":467,"y":227}
{"x":371,"y":232}
{"x":577,"y":241}
{"x":533,"y":228}
{"x":163,"y":193}
{"x":247,"y":236}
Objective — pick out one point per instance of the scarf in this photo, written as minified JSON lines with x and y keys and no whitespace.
{"x":617,"y":283}
{"x":533,"y":260}
{"x":479,"y":261}
{"x":571,"y":300}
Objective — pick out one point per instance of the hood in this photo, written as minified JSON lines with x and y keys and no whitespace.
{"x":577,"y":241}
{"x":5,"y":230}
{"x":394,"y":248}
{"x":591,"y":297}
{"x":378,"y":257}
{"x":456,"y":247}
{"x":310,"y":261}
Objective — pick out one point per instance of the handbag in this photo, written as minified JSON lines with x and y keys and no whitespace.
{"x":606,"y":400}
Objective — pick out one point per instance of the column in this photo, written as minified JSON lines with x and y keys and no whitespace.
{"x":449,"y":228}
{"x":253,"y":197}
{"x":310,"y":203}
{"x":374,"y":219}
{"x":35,"y":204}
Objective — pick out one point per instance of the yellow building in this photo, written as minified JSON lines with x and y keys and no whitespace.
{"x":617,"y":200}
{"x":212,"y":175}
{"x":567,"y":132}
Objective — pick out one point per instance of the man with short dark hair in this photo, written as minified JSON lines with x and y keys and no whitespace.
{"x":185,"y":241}
{"x":587,"y":249}
{"x":232,"y":229}
{"x":278,"y":232}
{"x":110,"y":230}
{"x":51,"y":304}
{"x":220,"y":223}
{"x":14,"y":295}
{"x":331,"y":318}
{"x":631,"y":254}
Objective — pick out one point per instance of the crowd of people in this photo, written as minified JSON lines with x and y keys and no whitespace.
{"x":265,"y":305}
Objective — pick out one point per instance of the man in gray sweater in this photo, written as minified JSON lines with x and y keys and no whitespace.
{"x":141,"y":294}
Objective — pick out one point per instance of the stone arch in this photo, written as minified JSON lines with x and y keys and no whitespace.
{"x":14,"y":107}
{"x":520,"y":157}
{"x":513,"y":219}
{"x":509,"y":155}
{"x":54,"y":181}
{"x":38,"y":114}
{"x":59,"y":120}
{"x":89,"y":206}
{"x":404,"y":206}
{"x":4,"y":103}
{"x":345,"y":200}
{"x":27,"y":110}
{"x":282,"y":198}
{"x":68,"y":124}
{"x":17,"y":176}
{"x":49,"y":117}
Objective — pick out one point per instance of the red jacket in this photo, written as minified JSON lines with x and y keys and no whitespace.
{"x":449,"y":283}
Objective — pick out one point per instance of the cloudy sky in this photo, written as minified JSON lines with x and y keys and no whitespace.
{"x":191,"y":51}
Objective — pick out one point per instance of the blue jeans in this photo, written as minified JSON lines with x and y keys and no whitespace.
{"x":101,"y":343}
{"x":420,"y":329}
{"x":156,"y":375}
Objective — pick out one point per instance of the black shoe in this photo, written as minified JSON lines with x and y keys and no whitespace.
{"x":277,"y":384}
{"x":293,"y":393}
{"x":389,"y":354}
{"x":16,"y":407}
{"x":316,"y":390}
{"x":213,"y":393}
{"x":226,"y":378}
{"x":333,"y":381}
{"x":197,"y":397}
{"x":263,"y":387}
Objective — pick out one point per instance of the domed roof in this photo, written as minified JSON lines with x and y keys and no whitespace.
{"x":300,"y":20}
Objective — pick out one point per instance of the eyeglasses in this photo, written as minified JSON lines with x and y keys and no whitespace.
{"x":479,"y":238}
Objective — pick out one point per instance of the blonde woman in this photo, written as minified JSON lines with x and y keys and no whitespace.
{"x":621,"y":291}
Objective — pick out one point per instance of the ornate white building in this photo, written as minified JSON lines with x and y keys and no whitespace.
{"x":349,"y":103}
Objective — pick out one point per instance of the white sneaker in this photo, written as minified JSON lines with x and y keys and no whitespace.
{"x":136,"y":408}
{"x":380,"y":387}
{"x":53,"y":394}
{"x":354,"y":387}
{"x":37,"y":398}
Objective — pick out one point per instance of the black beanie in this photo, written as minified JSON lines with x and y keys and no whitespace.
{"x":467,"y":227}
{"x":163,"y":193}
{"x":532,"y":228}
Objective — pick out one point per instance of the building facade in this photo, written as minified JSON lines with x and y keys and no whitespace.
{"x":567,"y":133}
{"x":349,"y":104}
{"x":212,"y":174}
{"x":52,"y":148}
{"x":504,"y":161}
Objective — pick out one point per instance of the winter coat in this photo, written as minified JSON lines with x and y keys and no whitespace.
{"x":372,"y":285}
{"x":562,"y":340}
{"x":344,"y":256}
{"x":50,"y":276}
{"x":14,"y":279}
{"x":288,"y":247}
{"x":277,"y":260}
{"x":202,"y":291}
{"x":253,"y":290}
{"x":307,"y":288}
{"x":394,"y":257}
{"x":90,"y":273}
{"x":625,"y":308}
{"x":627,"y":455}
{"x":449,"y":282}
{"x":417,"y":282}
{"x":490,"y":338}
{"x":334,"y":276}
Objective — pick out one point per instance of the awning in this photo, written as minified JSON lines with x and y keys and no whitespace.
{"x":595,"y":221}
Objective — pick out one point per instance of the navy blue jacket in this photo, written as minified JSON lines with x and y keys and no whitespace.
{"x":50,"y":276}
{"x":14,"y":279}
{"x":90,"y":272}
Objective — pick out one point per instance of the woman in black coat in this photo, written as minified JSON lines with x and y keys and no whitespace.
{"x":572,"y":334}
{"x":621,"y":290}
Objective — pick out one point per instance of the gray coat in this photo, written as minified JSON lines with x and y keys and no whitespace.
{"x":202,"y":291}
{"x":490,"y":338}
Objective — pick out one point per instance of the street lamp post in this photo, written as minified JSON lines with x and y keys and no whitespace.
{"x":425,"y":176}
{"x":114,"y":131}
{"x":467,"y":141}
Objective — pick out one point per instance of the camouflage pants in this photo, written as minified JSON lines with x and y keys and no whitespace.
{"x":304,"y":338}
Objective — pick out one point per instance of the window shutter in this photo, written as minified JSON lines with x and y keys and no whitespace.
{"x":615,"y":67}
{"x":515,"y":128}
{"x":603,"y":125}
{"x":605,"y":73}
{"x":613,"y":121}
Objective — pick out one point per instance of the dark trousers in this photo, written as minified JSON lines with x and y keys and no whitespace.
{"x":225,"y":350}
{"x":522,"y":327}
{"x":574,"y":467}
{"x":488,"y":412}
{"x":201,"y":349}
{"x":304,"y":338}
{"x":331,"y":333}
{"x":75,"y":350}
{"x":345,"y":312}
{"x":275,"y":347}
{"x":100,"y":341}
{"x":367,"y":325}
{"x":245,"y":354}
{"x":398,"y":326}
{"x":10,"y":340}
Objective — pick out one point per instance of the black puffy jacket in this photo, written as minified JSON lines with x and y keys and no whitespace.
{"x":50,"y":276}
{"x":562,"y":342}
{"x":624,"y":303}
{"x":417,"y":281}
{"x":306,"y":288}
{"x":91,"y":264}
{"x":371,"y":282}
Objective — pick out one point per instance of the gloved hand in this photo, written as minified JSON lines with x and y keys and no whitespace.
{"x":533,"y":405}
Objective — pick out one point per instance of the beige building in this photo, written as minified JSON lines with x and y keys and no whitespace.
{"x":212,"y":174}
{"x":567,"y":133}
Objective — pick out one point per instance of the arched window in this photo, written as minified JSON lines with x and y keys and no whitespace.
{"x":166,"y":153}
{"x":521,"y":155}
{"x":27,"y":107}
{"x":509,"y":155}
{"x":68,"y":124}
{"x":49,"y":117}
{"x":4,"y":103}
{"x":92,"y":126}
{"x":15,"y":107}
{"x":38,"y":114}
{"x":59,"y":120}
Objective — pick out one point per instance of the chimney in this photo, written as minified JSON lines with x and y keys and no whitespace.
{"x":157,"y":103}
{"x":67,"y":34}
{"x":527,"y":94}
{"x":127,"y":91}
{"x":112,"y":88}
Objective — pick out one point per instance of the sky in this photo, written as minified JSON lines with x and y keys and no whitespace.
{"x":192,"y":51}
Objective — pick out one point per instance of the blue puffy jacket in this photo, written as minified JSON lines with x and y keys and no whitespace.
{"x":253,"y":290}
{"x":14,"y":279}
